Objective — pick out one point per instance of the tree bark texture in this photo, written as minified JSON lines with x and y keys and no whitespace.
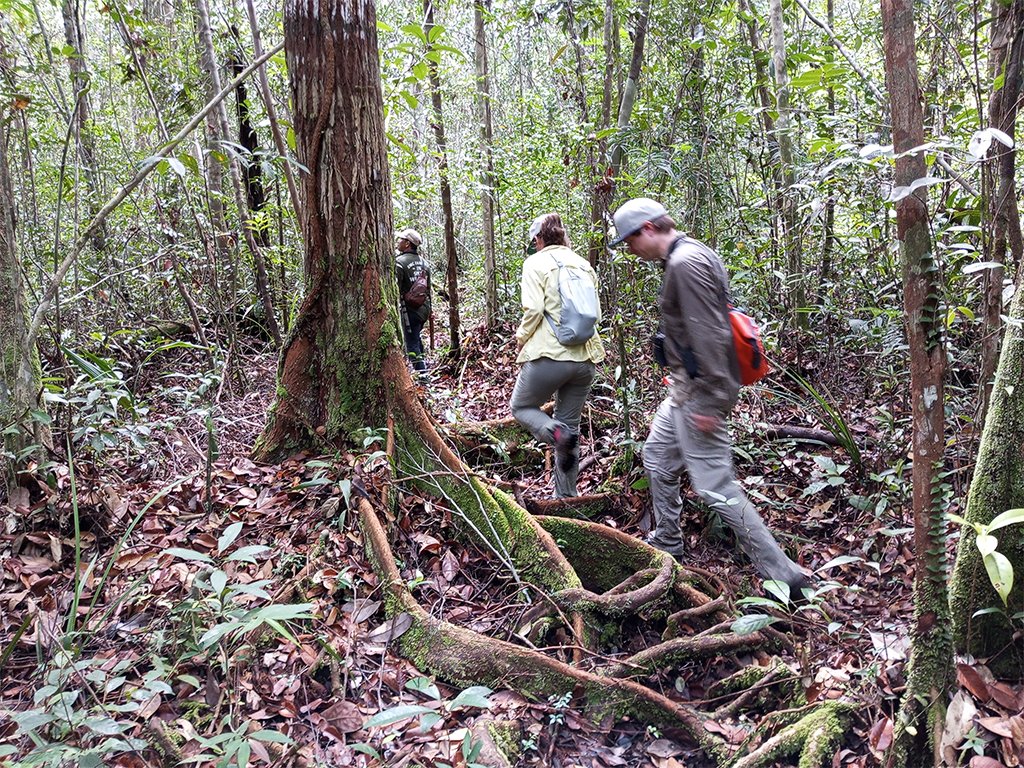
{"x":451,"y":257}
{"x":487,"y":183}
{"x":330,"y":377}
{"x":929,"y":675}
{"x":998,"y":180}
{"x":20,"y":374}
{"x":997,"y":485}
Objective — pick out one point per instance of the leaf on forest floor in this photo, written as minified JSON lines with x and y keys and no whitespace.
{"x":971,"y":679}
{"x":880,"y":737}
{"x":390,"y":629}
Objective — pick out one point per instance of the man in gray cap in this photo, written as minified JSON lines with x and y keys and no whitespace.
{"x":413,"y":274}
{"x":689,"y":429}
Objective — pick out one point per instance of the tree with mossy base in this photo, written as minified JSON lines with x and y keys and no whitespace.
{"x":996,"y":487}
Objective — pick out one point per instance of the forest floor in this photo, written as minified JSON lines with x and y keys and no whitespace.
{"x":225,"y":611}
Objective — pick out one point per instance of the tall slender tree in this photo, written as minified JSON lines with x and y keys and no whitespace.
{"x":923,"y":707}
{"x":21,"y":409}
{"x":447,"y":214}
{"x":487,"y":180}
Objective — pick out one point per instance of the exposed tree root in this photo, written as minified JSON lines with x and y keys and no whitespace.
{"x":815,"y":737}
{"x":681,"y":649}
{"x":578,"y":507}
{"x":464,"y":657}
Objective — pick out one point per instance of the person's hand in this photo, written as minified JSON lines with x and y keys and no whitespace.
{"x":705,"y":423}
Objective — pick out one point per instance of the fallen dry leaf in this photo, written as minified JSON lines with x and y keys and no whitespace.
{"x":969,"y":678}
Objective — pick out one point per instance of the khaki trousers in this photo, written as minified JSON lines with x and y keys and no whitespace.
{"x":673,"y":446}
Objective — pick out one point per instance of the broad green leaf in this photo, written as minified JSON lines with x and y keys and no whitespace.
{"x":841,"y":560}
{"x":1009,"y":517}
{"x":778,"y":588}
{"x":987,"y":544}
{"x":397,"y":714}
{"x":218,"y":581}
{"x":809,"y":80}
{"x":1000,"y":573}
{"x":474,"y":696}
{"x":177,"y":166}
{"x":285,"y":612}
{"x":272,"y":736}
{"x":188,"y":554}
{"x":247,"y":554}
{"x":424,"y":685}
{"x":435,"y":32}
{"x":366,"y":749}
{"x":415,"y":30}
{"x":746,"y":625}
{"x":228,"y":537}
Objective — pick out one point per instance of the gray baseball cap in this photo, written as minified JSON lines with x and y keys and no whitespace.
{"x":632,"y":215}
{"x":411,"y":235}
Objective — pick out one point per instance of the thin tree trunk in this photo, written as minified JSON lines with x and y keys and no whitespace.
{"x":770,"y":169}
{"x":252,"y":173}
{"x":629,"y":90}
{"x":487,"y":184}
{"x":209,"y":61}
{"x":452,"y":272}
{"x":793,"y":258}
{"x":275,"y":126}
{"x":929,"y":674}
{"x":20,"y":373}
{"x":603,"y":179}
{"x":85,"y":139}
{"x":998,"y":180}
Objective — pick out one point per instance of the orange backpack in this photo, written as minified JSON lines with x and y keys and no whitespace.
{"x":746,"y":338}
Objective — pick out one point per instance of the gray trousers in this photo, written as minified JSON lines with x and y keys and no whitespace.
{"x":675,"y":445}
{"x":570,"y":383}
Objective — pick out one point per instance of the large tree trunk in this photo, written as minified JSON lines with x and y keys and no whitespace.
{"x":331,"y":379}
{"x":998,"y":180}
{"x":997,"y":485}
{"x":923,"y":707}
{"x":21,"y":408}
{"x":451,"y":257}
{"x":487,"y":189}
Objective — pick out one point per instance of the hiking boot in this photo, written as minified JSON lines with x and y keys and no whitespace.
{"x":565,"y":447}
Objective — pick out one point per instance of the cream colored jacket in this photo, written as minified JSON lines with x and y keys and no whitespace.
{"x":540,"y":293}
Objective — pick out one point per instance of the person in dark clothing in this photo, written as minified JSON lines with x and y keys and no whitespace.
{"x":689,"y":433}
{"x":413,"y":274}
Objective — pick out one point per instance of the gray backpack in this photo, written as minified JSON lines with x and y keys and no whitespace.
{"x":580,"y":306}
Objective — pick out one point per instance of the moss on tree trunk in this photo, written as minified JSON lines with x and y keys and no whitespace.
{"x":997,"y":485}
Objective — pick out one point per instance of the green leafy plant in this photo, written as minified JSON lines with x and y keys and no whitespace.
{"x":997,"y":565}
{"x":222,"y":609}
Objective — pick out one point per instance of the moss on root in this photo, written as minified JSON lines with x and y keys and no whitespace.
{"x":815,"y":737}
